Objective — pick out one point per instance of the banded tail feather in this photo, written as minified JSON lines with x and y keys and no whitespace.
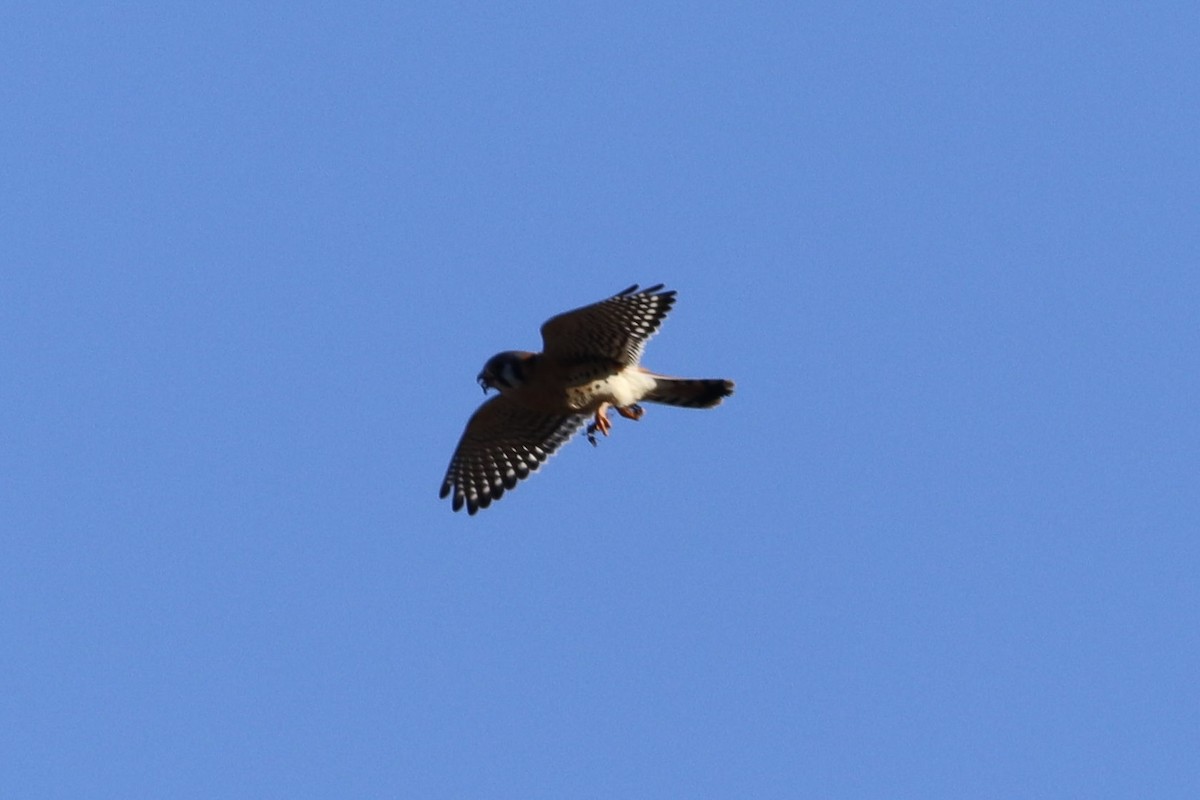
{"x":689,"y":392}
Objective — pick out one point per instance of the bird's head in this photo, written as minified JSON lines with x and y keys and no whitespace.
{"x":506,"y":370}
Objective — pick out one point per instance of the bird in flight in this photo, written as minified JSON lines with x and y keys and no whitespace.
{"x":588,"y":364}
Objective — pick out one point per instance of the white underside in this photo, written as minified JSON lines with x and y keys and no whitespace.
{"x":624,"y":388}
{"x":628,"y":386}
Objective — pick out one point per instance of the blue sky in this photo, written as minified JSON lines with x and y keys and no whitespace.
{"x":940,"y":543}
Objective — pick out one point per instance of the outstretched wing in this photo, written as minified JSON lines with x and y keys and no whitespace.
{"x":616,"y":328}
{"x":504,"y":442}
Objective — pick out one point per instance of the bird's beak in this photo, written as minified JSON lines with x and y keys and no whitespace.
{"x":483,"y":382}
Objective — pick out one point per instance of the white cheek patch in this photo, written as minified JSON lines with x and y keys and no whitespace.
{"x":508,"y":374}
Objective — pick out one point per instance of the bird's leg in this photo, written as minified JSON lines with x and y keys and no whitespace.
{"x":633,"y":412}
{"x":600,"y":423}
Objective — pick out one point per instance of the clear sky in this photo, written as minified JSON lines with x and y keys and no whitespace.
{"x":941,"y":543}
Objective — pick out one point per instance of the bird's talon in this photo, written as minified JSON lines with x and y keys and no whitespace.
{"x":633,"y":412}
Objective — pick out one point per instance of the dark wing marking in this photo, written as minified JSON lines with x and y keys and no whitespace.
{"x":615,"y":329}
{"x":504,"y":442}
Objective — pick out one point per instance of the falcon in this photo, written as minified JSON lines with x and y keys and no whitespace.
{"x":589,"y":364}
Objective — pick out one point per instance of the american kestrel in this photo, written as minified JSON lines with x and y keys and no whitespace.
{"x":588,"y":364}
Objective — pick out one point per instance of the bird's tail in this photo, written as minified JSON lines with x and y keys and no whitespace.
{"x":689,"y":392}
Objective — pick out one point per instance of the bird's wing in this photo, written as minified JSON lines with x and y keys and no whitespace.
{"x":503,"y":443}
{"x":615,"y":329}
